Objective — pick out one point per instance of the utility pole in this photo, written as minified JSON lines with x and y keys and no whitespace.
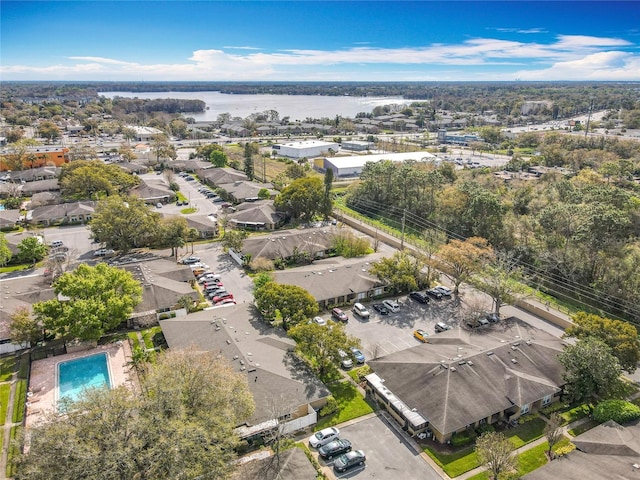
{"x":404,"y":214}
{"x":586,"y":130}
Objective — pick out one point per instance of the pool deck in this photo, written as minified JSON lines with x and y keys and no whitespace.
{"x":42,"y":395}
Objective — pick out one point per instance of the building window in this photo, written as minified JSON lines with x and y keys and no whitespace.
{"x":546,"y":400}
{"x":524,"y":409}
{"x":282,"y":418}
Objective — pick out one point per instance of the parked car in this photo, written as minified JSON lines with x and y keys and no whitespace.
{"x":339,"y":315}
{"x":381,"y":309}
{"x":226,"y":301}
{"x":441,"y":327}
{"x":445,"y":291}
{"x":158,"y":205}
{"x":349,"y":460}
{"x":335,"y":448}
{"x":345,"y":360}
{"x":492,"y":317}
{"x":222,"y":296}
{"x":103,"y":252}
{"x":56,"y":244}
{"x":357,"y":354}
{"x":437,"y":294}
{"x":392,"y":305}
{"x":482,"y":321}
{"x":216,"y":293}
{"x":419,"y":297}
{"x":190,"y":260}
{"x":201,"y":272}
{"x":319,"y":320}
{"x":323,"y":437}
{"x":361,"y":310}
{"x":213,"y":288}
{"x":208,"y":277}
{"x":421,"y":335}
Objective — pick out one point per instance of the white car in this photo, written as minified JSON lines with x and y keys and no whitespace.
{"x":392,"y":305}
{"x":446,"y":291}
{"x":323,"y":437}
{"x":319,"y":320}
{"x":103,"y":252}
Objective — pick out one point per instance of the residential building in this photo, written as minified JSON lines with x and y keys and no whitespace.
{"x":259,"y":215}
{"x":63,"y":213}
{"x":9,"y":219}
{"x":334,"y":282}
{"x":284,"y":390}
{"x":153,"y":191}
{"x":219,"y":176}
{"x":239,"y":191}
{"x":462,"y":379}
{"x":607,"y":451}
{"x":315,"y":243}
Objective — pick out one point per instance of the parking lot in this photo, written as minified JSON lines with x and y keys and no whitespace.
{"x":384,"y":334}
{"x":387,"y":451}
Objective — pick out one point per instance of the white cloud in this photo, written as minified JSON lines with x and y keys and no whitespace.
{"x":570,"y":57}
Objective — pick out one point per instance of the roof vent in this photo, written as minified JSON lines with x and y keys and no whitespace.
{"x":513,"y":347}
{"x":462,"y":362}
{"x":514,"y":360}
{"x":453,"y":369}
{"x":470,"y":363}
{"x":489,"y":354}
{"x":517,"y":344}
{"x":528,"y":342}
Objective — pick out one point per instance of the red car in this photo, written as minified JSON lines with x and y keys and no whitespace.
{"x":223,"y":297}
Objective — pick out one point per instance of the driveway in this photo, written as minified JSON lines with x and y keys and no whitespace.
{"x":388,"y":453}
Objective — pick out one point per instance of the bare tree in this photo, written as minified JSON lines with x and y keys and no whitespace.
{"x":277,"y":437}
{"x":553,"y":432}
{"x":496,"y":452}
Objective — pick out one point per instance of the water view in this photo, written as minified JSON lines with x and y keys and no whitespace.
{"x":296,"y":107}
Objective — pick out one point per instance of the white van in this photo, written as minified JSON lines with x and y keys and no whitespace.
{"x":361,"y":310}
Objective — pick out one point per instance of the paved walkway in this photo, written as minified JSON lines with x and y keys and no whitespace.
{"x":8,"y":423}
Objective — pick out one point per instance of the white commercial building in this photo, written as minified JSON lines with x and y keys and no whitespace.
{"x":352,"y":166}
{"x":306,"y":149}
{"x":144,"y":134}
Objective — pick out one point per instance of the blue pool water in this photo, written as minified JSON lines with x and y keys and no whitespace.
{"x":74,"y":376}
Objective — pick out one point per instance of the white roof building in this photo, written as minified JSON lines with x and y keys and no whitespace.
{"x":352,"y":166}
{"x":144,"y":134}
{"x":308,"y":149}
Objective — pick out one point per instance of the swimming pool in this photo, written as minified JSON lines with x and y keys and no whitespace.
{"x":76,"y":375}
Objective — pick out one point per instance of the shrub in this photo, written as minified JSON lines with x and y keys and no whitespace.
{"x":527,"y":417}
{"x":261,"y":264}
{"x":565,"y":449}
{"x":619,"y":411}
{"x":459,"y":439}
{"x":484,"y":428}
{"x":330,"y":407}
{"x":554,"y":407}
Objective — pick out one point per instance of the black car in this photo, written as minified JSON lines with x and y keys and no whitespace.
{"x":435,"y":293}
{"x":349,"y":460}
{"x":492,"y":317}
{"x":419,"y":297}
{"x":381,"y":309}
{"x":335,"y":448}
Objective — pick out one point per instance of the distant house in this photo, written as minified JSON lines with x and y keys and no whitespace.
{"x":153,"y":191}
{"x":33,"y":174}
{"x":464,"y":379}
{"x":133,"y":167}
{"x":332,"y":283}
{"x":260,"y":215}
{"x":218,"y":176}
{"x":314,"y":242}
{"x":63,"y":213}
{"x":240,"y":191}
{"x":284,"y":390}
{"x":9,"y":219}
{"x":206,"y":225}
{"x":39,"y":186}
{"x":608,"y":451}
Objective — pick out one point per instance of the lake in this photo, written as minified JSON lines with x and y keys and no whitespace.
{"x":296,"y":107}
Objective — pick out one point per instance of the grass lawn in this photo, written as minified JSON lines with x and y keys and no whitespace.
{"x":5,"y":390}
{"x":525,"y":433}
{"x":187,"y":211}
{"x":576,"y":413}
{"x":351,"y":404}
{"x":7,"y":366}
{"x":457,"y":463}
{"x":19,"y":401}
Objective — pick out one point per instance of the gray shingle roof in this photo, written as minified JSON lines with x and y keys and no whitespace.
{"x":484,"y":379}
{"x":283,"y":244}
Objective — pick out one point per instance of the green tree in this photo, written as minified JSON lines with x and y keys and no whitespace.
{"x":402,"y":272}
{"x":319,"y":344}
{"x":592,"y":372}
{"x":295,"y":171}
{"x":620,"y":411}
{"x":94,"y":301}
{"x":327,"y":200}
{"x":5,"y":251}
{"x":349,"y":245}
{"x":49,"y":130}
{"x":302,"y":199}
{"x":23,"y":327}
{"x":261,"y":279}
{"x":94,"y":179}
{"x":173,"y":232}
{"x":162,"y":149}
{"x":32,"y":250}
{"x":495,"y":451}
{"x":461,"y":259}
{"x":179,"y":425}
{"x":218,"y":158}
{"x":290,"y":303}
{"x":264,"y":194}
{"x":620,"y":336}
{"x":249,"y":150}
{"x":233,"y":240}
{"x":123,"y":223}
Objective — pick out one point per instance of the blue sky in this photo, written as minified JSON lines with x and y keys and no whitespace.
{"x":319,"y":41}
